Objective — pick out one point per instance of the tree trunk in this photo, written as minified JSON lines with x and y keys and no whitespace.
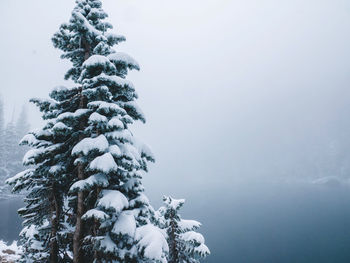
{"x":78,"y":233}
{"x":79,"y":226}
{"x":55,"y":214}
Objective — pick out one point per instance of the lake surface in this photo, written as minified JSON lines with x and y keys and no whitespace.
{"x":260,"y":223}
{"x":10,"y":222}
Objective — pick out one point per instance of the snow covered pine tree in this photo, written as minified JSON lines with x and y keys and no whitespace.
{"x":185,"y":245}
{"x":85,"y":201}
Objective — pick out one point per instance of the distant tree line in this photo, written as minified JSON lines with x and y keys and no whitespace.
{"x":11,"y":154}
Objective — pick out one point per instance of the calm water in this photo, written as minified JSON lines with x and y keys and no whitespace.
{"x":10,"y":222}
{"x":258,"y":223}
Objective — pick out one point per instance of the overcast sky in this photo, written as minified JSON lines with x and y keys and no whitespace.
{"x":232,"y":90}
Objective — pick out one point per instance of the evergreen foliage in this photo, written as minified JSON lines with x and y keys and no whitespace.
{"x":185,"y":244}
{"x":85,"y":199}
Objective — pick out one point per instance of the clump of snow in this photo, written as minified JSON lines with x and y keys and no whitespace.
{"x":86,"y":184}
{"x":152,"y":242}
{"x":108,"y":245}
{"x":95,"y":214}
{"x":113,"y":199}
{"x":104,"y":163}
{"x":202,"y":250}
{"x":72,"y":115}
{"x":173,"y":203}
{"x":96,"y":118}
{"x":114,"y":79}
{"x":120,"y":57}
{"x":193,"y":237}
{"x":115,"y":150}
{"x":123,"y":135}
{"x":125,"y":224}
{"x":96,"y":60}
{"x":87,"y":145}
{"x":187,"y":225}
{"x":115,"y":123}
{"x":60,"y":126}
{"x":10,"y":253}
{"x":106,"y":107}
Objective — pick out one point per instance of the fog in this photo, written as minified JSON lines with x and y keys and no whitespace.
{"x":246,"y":103}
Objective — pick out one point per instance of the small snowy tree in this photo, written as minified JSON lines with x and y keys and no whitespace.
{"x":185,"y":245}
{"x":11,"y":153}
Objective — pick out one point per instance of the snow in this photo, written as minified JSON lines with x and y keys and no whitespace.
{"x":55,"y":169}
{"x":87,"y":145}
{"x":152,"y":241}
{"x":13,"y":248}
{"x":107,"y":107}
{"x":192,"y":236}
{"x":124,"y":135}
{"x":115,"y":79}
{"x":96,"y":60}
{"x":113,"y":199}
{"x":136,"y":108}
{"x":187,"y":225}
{"x":60,"y":126}
{"x":84,"y":22}
{"x":20,"y":175}
{"x":202,"y":249}
{"x":30,"y":140}
{"x":104,"y":163}
{"x":124,"y":58}
{"x":96,"y":179}
{"x":125,"y":225}
{"x":31,"y":155}
{"x":143,"y":148}
{"x":95,"y":214}
{"x":96,"y":118}
{"x":173,"y":203}
{"x":70,"y":115}
{"x":142,"y":198}
{"x":115,"y":123}
{"x":115,"y":150}
{"x":108,"y":245}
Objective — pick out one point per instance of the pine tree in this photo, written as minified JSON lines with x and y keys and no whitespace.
{"x":85,"y":188}
{"x":185,"y":245}
{"x":12,"y":153}
{"x":22,"y":126}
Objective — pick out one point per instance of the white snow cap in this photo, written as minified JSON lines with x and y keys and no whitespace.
{"x":173,"y":203}
{"x":104,"y":163}
{"x":124,"y":58}
{"x":152,"y":241}
{"x":86,"y":184}
{"x":113,"y":199}
{"x":96,"y":214}
{"x":125,"y":224}
{"x":87,"y":145}
{"x":187,"y":225}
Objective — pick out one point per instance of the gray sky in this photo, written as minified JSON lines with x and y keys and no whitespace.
{"x":232,"y":90}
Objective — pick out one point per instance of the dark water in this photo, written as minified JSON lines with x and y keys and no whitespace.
{"x":10,"y":222}
{"x":275,"y":223}
{"x":269,"y":223}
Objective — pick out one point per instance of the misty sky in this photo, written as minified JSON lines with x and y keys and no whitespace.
{"x":240,"y":97}
{"x":232,"y":90}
